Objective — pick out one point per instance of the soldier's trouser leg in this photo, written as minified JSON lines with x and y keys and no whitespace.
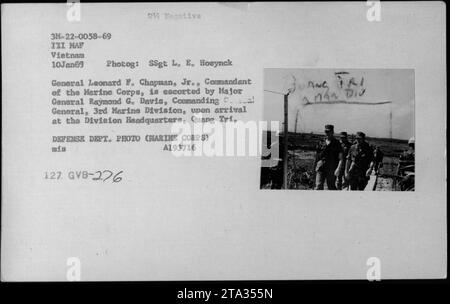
{"x":320,"y":179}
{"x":331,"y":180}
{"x":353,"y":183}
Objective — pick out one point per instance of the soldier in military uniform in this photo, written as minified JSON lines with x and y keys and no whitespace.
{"x":409,"y":154}
{"x":341,"y":181}
{"x":328,"y":161}
{"x":359,"y":163}
{"x":406,"y":166}
{"x":378,"y":156}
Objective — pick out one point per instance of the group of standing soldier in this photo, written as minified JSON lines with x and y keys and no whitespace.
{"x":345,"y":165}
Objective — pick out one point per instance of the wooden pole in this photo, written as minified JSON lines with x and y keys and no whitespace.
{"x":285,"y":144}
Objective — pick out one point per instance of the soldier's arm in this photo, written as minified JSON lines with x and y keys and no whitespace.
{"x":381,"y":159}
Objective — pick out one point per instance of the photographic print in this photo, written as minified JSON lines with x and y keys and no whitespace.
{"x":340,"y":129}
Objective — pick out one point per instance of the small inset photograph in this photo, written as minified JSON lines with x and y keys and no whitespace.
{"x":338,"y":129}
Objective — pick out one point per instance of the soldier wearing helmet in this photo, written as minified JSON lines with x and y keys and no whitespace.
{"x":409,"y":155}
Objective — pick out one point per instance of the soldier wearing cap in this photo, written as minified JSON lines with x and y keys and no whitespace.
{"x":378,"y":156}
{"x":359,"y":163}
{"x":409,"y":154}
{"x":341,"y":181}
{"x":329,"y":160}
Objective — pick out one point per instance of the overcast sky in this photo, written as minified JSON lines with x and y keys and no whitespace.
{"x":367,"y":86}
